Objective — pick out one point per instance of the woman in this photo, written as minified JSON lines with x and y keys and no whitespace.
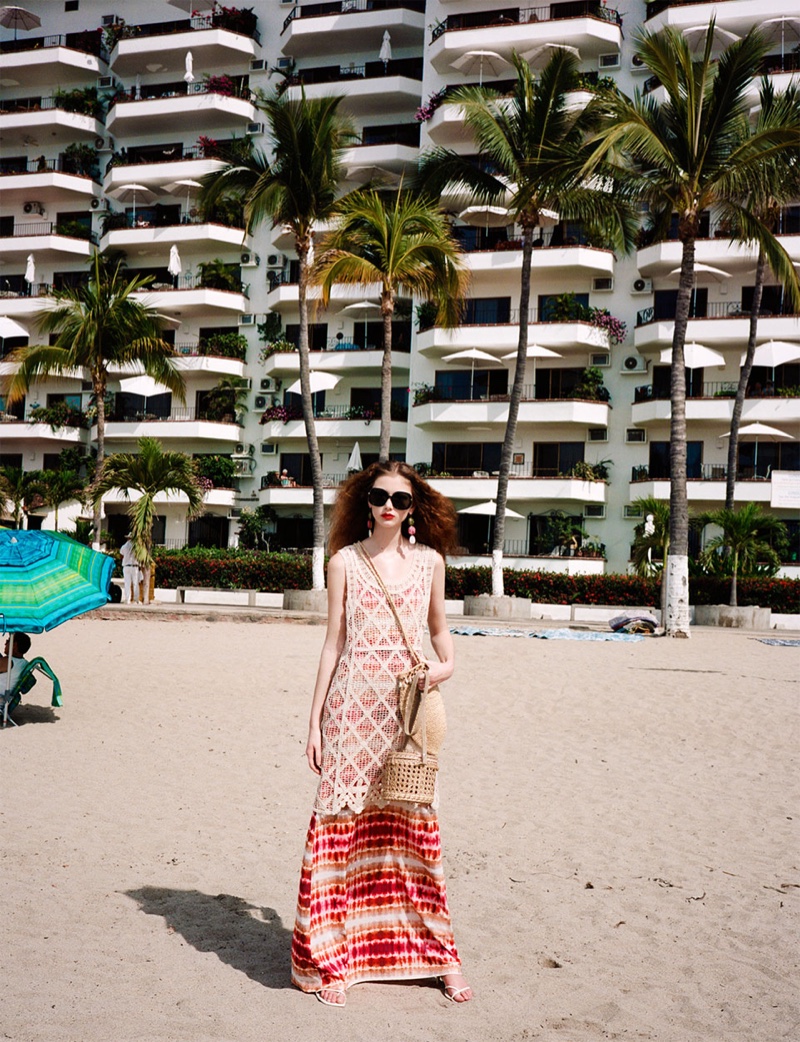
{"x":372,"y":902}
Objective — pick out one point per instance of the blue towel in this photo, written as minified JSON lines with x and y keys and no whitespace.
{"x":560,"y":634}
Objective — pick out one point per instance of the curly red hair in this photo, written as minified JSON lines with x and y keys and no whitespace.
{"x":434,"y":515}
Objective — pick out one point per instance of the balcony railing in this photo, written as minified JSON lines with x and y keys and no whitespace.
{"x":160,"y":91}
{"x":702,"y":472}
{"x":714,"y":309}
{"x":90,"y":107}
{"x":241,"y":22}
{"x":39,"y":166}
{"x":350,"y":7}
{"x":183,"y":282}
{"x":87,"y":42}
{"x":125,"y":221}
{"x":10,"y":288}
{"x":524,"y":15}
{"x":657,"y":6}
{"x":410,"y":67}
{"x":70,"y":230}
{"x":452,"y":394}
{"x":181,"y":415}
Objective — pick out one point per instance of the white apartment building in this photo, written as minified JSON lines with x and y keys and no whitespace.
{"x":174,"y":82}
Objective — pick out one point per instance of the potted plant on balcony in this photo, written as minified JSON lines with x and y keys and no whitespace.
{"x":216,"y":274}
{"x":236,"y":20}
{"x":81,"y":159}
{"x":220,"y":85}
{"x":225,"y":345}
{"x":591,"y":387}
{"x":562,"y":533}
{"x":219,"y":470}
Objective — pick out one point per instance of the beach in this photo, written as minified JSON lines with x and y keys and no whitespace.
{"x":619,"y":820}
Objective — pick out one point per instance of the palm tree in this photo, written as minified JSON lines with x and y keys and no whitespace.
{"x":779,"y":184}
{"x":534,"y":141}
{"x":653,"y":534}
{"x":17,"y":487}
{"x":228,"y":398}
{"x":298,"y":187}
{"x":149,"y":472}
{"x":684,"y":156}
{"x":98,"y":324}
{"x":745,"y":538}
{"x":406,"y":245}
{"x":60,"y":486}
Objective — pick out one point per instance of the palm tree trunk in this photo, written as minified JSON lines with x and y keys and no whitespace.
{"x":744,"y":380}
{"x":513,"y":413}
{"x":387,"y":310}
{"x":734,"y":591}
{"x":677,"y":564}
{"x":99,"y":386}
{"x":318,"y":559}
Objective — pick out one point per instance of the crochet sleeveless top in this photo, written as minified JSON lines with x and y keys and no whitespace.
{"x":360,"y":722}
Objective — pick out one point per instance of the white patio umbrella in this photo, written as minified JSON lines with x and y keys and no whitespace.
{"x":354,"y":463}
{"x":778,"y":27}
{"x":477,"y":61}
{"x":362,"y":307}
{"x":774,"y":353}
{"x":18,"y":18}
{"x":755,"y":431}
{"x":489,"y":510}
{"x":473,"y":355}
{"x":144,"y":385}
{"x":187,"y":185}
{"x":319,"y":382}
{"x":128,"y":193}
{"x":385,"y":53}
{"x":704,"y":272}
{"x":545,"y":51}
{"x":534,"y":351}
{"x":9,"y":328}
{"x":696,"y":35}
{"x":189,"y":66}
{"x":484,"y":215}
{"x":174,"y":267}
{"x":695,"y":356}
{"x":30,"y":270}
{"x":193,"y":5}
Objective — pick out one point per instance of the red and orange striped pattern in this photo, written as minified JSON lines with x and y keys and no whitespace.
{"x":372,"y":904}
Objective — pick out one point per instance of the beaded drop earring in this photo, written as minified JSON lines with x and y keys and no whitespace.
{"x":412,"y":532}
{"x":370,"y":524}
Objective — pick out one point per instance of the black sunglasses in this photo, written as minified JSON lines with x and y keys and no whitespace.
{"x":376,"y":497}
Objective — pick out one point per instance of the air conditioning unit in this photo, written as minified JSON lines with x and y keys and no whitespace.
{"x":254,"y":129}
{"x":632,"y":513}
{"x":243,"y":449}
{"x":598,"y":434}
{"x":109,"y":19}
{"x":106,"y":83}
{"x":269,"y":448}
{"x":103,"y":144}
{"x":634,"y":364}
{"x":260,"y":401}
{"x":33,"y":208}
{"x":250,"y":260}
{"x":247,"y":320}
{"x":600,"y":361}
{"x":268,"y":383}
{"x":595,"y":511}
{"x":285,"y":63}
{"x":636,"y":436}
{"x":246,"y":383}
{"x":608,"y":61}
{"x":258,"y":65}
{"x":603,"y":284}
{"x":637,"y":64}
{"x":641,"y":285}
{"x":276,"y":261}
{"x":100,"y":205}
{"x":234,"y":513}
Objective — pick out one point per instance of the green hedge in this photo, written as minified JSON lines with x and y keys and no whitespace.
{"x":275,"y":572}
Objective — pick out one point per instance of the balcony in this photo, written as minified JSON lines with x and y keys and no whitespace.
{"x":46,"y":180}
{"x":194,"y":363}
{"x":367,"y":87}
{"x":715,"y":405}
{"x":331,"y":28}
{"x":583,"y":24}
{"x":49,"y":241}
{"x":705,"y":484}
{"x":284,"y":292}
{"x":66,"y":58}
{"x":27,"y":435}
{"x":208,"y":36}
{"x":718,"y":250}
{"x":184,"y":230}
{"x":159,"y":165}
{"x":392,"y":148}
{"x":299,"y":495}
{"x":493,"y":411}
{"x":185,"y":424}
{"x":488,"y":254}
{"x":19,"y":300}
{"x":341,"y":357}
{"x":172,"y":107}
{"x":333,"y":421}
{"x":524,"y":488}
{"x":28,"y":122}
{"x":568,"y":338}
{"x":722,"y":324}
{"x":187,"y":292}
{"x":734,"y":15}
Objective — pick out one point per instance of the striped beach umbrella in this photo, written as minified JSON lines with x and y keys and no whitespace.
{"x":47,"y":578}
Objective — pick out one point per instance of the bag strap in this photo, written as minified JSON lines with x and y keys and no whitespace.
{"x":420,"y":665}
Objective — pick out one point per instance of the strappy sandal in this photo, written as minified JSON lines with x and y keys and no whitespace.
{"x":451,"y":992}
{"x":334,"y":989}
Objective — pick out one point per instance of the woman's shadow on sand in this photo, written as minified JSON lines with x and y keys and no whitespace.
{"x":226,"y":925}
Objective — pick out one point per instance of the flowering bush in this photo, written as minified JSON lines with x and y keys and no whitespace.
{"x":617,"y":329}
{"x":221,"y":85}
{"x":232,"y":569}
{"x":209,"y":146}
{"x":424,"y":112}
{"x":282,"y":413}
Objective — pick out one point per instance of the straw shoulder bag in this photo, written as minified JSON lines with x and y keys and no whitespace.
{"x":409,"y":774}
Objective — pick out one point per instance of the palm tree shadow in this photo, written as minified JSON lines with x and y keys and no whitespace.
{"x":252,"y":940}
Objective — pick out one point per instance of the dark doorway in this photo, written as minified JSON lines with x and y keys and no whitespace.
{"x":209,"y":530}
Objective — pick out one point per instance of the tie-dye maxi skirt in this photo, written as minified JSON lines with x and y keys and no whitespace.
{"x":372,"y":904}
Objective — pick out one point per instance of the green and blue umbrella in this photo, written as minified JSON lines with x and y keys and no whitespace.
{"x":47,"y":578}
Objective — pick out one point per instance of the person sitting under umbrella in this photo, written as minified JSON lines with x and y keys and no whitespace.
{"x":11,"y":667}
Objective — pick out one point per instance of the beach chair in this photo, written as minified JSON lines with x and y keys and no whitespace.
{"x":11,"y":699}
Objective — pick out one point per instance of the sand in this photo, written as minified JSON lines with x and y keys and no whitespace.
{"x":619,"y":824}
